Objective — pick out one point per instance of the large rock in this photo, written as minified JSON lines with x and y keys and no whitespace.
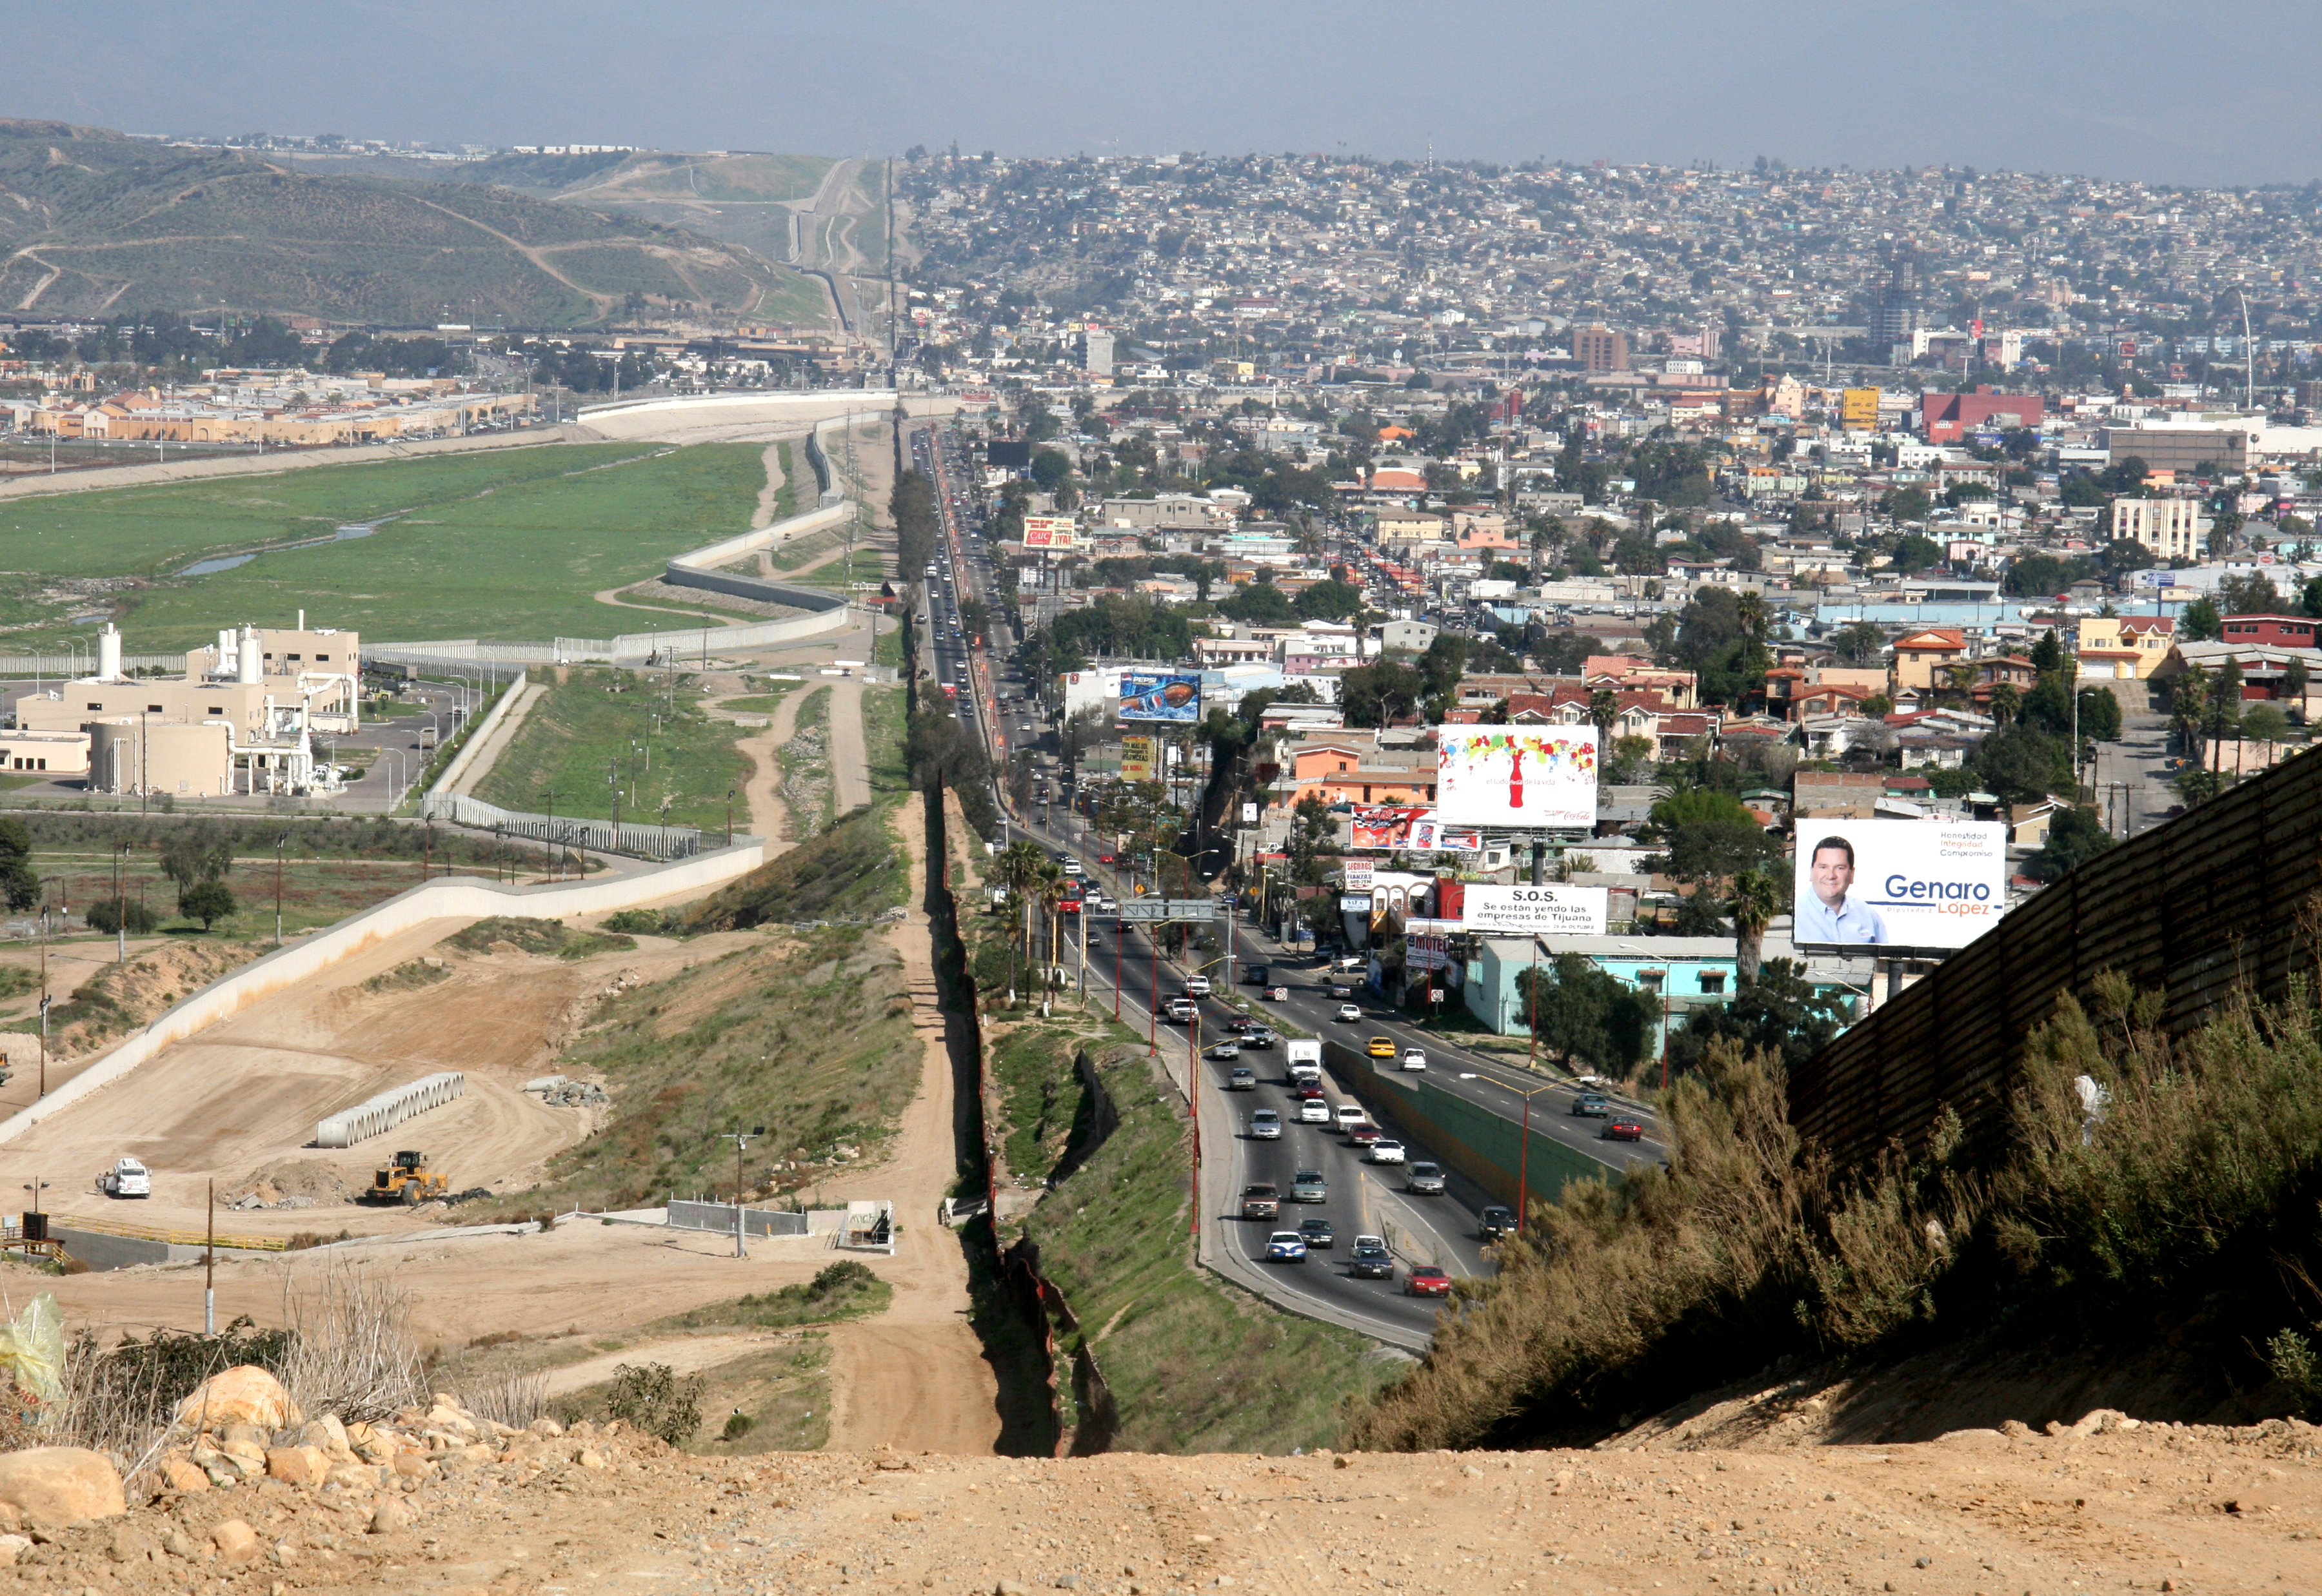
{"x":61,"y":1484}
{"x":243,"y":1395}
{"x":299,"y":1465}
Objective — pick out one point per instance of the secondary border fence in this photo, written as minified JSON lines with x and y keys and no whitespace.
{"x":2217,"y":899}
{"x":604,"y":836}
{"x":717,"y":1217}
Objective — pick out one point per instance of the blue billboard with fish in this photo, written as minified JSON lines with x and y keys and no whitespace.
{"x":1149,"y":695}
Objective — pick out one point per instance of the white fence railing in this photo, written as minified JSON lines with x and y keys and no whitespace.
{"x":603,"y":836}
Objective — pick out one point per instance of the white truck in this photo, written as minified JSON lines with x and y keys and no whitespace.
{"x":1305,"y":1057}
{"x":126,"y":1178}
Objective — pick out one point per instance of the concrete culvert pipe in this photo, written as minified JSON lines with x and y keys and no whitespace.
{"x":390,"y":1108}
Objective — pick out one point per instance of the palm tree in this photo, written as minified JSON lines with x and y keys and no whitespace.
{"x":1050,"y":886}
{"x":1603,"y":708}
{"x":2006,"y":700}
{"x":1755,"y":899}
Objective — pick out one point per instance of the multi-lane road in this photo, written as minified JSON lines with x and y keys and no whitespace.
{"x":1123,"y":971}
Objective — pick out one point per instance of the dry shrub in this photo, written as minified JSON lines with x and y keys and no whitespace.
{"x":351,"y":1351}
{"x":2195,"y":1181}
{"x":511,"y":1397}
{"x":121,"y":1400}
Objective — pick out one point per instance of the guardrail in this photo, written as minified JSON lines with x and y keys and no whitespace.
{"x":176,"y":1238}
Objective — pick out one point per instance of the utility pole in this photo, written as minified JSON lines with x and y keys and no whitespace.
{"x":740,"y":1140}
{"x":280,"y":842}
{"x":209,"y":1269}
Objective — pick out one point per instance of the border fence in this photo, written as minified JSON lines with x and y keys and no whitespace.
{"x":604,"y":836}
{"x":2215,"y":900}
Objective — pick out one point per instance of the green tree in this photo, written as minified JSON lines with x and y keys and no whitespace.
{"x":19,"y":884}
{"x":1860,"y":643}
{"x":1757,"y":897}
{"x":2075,"y":836}
{"x":1333,"y":600}
{"x":2021,"y":764}
{"x":206,"y":901}
{"x":1258,"y":603}
{"x":1312,"y":824}
{"x":109,"y":914}
{"x":192,"y":855}
{"x":1588,"y":1016}
{"x":2099,"y":715}
{"x":2200,"y":622}
{"x":1780,"y":1013}
{"x":1375,"y":694}
{"x":1916,"y":552}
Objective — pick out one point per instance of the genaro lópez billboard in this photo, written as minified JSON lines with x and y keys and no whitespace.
{"x":1898,"y":883}
{"x":1147,"y":695}
{"x":1515,"y":776}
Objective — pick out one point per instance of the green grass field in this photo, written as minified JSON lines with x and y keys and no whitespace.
{"x":571,"y":739}
{"x":508,"y":545}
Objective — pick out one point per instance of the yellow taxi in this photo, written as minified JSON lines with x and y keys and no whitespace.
{"x":1382,"y":1047}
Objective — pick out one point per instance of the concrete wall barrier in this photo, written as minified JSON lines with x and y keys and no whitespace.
{"x":444,"y":898}
{"x":1479,"y":1143}
{"x":718,"y":1216}
{"x":379,"y":1115}
{"x":479,"y":732}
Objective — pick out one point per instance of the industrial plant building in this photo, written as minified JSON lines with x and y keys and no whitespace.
{"x":241,"y":719}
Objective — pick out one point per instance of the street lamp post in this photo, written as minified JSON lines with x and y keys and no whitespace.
{"x":741,"y":1139}
{"x":1523,"y":1158}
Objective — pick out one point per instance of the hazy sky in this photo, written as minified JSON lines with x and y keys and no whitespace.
{"x":2169,"y":92}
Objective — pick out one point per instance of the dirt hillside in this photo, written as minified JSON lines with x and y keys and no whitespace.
{"x":2151,"y":1509}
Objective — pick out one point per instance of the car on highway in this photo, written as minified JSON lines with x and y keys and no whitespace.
{"x":1309,"y":1186}
{"x":1254,"y":975}
{"x":1227,"y":1049}
{"x":1350,"y":1012}
{"x":1259,"y":1037}
{"x":1313,"y":1111}
{"x":1350,"y":1114}
{"x":1104,"y":859}
{"x":1385,"y":1150}
{"x":1197,"y":986}
{"x":1424,"y":1180}
{"x":1425,"y":1279}
{"x":1277,"y":994}
{"x":1241,"y":1023}
{"x":1285,"y":1246}
{"x":1241,"y":1077}
{"x":1179,"y":1011}
{"x":1266,"y":1125}
{"x":1318,"y":1233}
{"x":1306,"y":1090}
{"x":1261,"y":1200}
{"x":1415,"y":1058}
{"x":1382,"y":1047}
{"x":1340,"y":989}
{"x":1495,"y":1222}
{"x":1621,"y":1130}
{"x":1592,"y":1104}
{"x":1365,"y":1134}
{"x":1370,"y":1260}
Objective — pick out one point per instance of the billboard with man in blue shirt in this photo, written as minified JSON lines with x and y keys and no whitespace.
{"x":1901,"y":884}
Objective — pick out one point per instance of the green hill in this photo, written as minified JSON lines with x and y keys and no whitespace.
{"x":91,"y":220}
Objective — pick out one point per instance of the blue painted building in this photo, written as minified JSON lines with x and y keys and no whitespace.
{"x":1684,"y":973}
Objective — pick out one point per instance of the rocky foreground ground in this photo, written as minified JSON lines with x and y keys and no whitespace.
{"x":438,"y":1502}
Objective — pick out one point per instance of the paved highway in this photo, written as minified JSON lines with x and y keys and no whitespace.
{"x":1364,"y":1198}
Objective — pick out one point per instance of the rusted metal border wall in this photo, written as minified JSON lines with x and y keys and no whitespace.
{"x":2192,"y":909}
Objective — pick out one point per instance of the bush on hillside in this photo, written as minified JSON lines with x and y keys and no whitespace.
{"x":2140,"y":1173}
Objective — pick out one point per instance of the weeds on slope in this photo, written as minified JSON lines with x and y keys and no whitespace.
{"x":2145,"y":1179}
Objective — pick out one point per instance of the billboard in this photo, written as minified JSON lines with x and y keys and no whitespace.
{"x":1553,"y":911}
{"x":1505,"y":776}
{"x":1858,"y":409}
{"x":1146,"y":695}
{"x":1383,"y":826}
{"x":1899,"y":883}
{"x":1356,"y":873}
{"x":1431,"y":835}
{"x":1137,"y":762}
{"x":1049,"y":531}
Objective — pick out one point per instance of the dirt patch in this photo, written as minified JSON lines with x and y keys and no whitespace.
{"x":123,"y":998}
{"x":288,"y":1183}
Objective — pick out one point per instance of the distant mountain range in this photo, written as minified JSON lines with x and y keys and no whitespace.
{"x":95,"y":223}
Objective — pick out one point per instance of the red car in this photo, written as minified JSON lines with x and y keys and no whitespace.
{"x":1306,"y":1093}
{"x":1622,"y":1130}
{"x":1364,"y":1134}
{"x":1427,"y":1281}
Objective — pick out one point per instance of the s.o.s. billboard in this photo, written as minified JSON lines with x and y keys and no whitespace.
{"x":1898,"y":883}
{"x":1515,"y":776}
